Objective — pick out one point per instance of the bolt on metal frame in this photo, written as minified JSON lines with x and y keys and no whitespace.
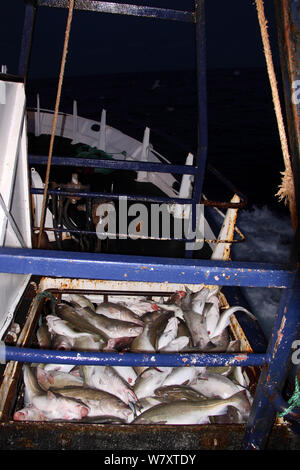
{"x":275,"y":361}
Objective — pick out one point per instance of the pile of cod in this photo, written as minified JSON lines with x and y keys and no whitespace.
{"x":185,"y":321}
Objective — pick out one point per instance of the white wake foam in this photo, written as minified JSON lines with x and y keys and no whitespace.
{"x":269,"y":237}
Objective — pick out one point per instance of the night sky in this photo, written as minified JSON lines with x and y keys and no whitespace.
{"x":103,"y":43}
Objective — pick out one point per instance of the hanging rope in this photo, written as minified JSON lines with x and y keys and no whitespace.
{"x":286,"y":190}
{"x":61,"y":76}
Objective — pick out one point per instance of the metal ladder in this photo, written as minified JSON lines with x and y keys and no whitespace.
{"x":276,"y":359}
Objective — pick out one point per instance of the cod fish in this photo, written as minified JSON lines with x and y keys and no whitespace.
{"x":212,"y":316}
{"x":192,"y":412}
{"x":61,"y":367}
{"x":61,"y":342}
{"x":183,"y":375}
{"x":178,"y":392}
{"x":215,"y":386}
{"x":49,"y":404}
{"x":89,"y":343}
{"x":142,"y":342}
{"x":82,"y":301}
{"x":43,"y":336}
{"x":148,"y":402}
{"x":195,"y":301}
{"x":118,"y":312}
{"x":197,"y":327}
{"x":57,"y":379}
{"x":138,"y":304}
{"x":147,"y":341}
{"x":224,"y":319}
{"x":29,"y":413}
{"x":150,"y":380}
{"x":107,"y":379}
{"x":177,"y":311}
{"x":127,"y":373}
{"x":86,"y":320}
{"x":176,"y":345}
{"x":62,"y":327}
{"x":169,"y":333}
{"x":98,"y":402}
{"x":141,"y":306}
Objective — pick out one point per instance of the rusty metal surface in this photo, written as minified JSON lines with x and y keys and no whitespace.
{"x":75,"y":436}
{"x":10,"y":377}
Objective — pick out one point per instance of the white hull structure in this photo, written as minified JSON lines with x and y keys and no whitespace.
{"x":15,"y":226}
{"x":119,"y":145}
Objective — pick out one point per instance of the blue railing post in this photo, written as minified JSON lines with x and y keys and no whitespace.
{"x":201,"y":156}
{"x":274,"y":373}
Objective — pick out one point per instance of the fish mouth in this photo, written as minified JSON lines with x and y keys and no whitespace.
{"x":19,"y":416}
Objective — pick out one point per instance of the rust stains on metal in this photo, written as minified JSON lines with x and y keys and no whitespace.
{"x":79,"y":436}
{"x":279,"y":335}
{"x":239,"y":358}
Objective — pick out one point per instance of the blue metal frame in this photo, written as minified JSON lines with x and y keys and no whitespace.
{"x":132,"y":359}
{"x":274,"y":373}
{"x":275,"y":361}
{"x":143,"y":268}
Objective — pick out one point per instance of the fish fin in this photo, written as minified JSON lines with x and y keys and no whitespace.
{"x":146,"y":373}
{"x":233,"y":346}
{"x":202,"y":377}
{"x":138,"y":405}
{"x":131,"y":405}
{"x":204,"y":420}
{"x":221,"y":412}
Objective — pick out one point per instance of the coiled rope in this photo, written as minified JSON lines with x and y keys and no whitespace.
{"x":294,"y":401}
{"x":48,"y":295}
{"x":286,"y":190}
{"x":58,"y":95}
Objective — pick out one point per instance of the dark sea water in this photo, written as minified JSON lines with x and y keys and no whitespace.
{"x":243,"y":143}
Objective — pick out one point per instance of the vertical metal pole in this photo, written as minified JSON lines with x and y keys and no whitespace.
{"x":202,"y":109}
{"x":27,"y":36}
{"x":273,"y":374}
